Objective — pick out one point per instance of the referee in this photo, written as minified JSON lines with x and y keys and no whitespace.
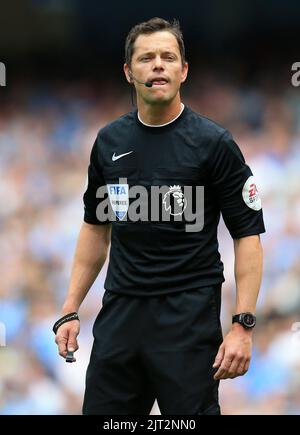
{"x":158,"y":333}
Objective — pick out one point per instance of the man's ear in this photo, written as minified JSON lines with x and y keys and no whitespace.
{"x":128,"y":73}
{"x":184,"y":74}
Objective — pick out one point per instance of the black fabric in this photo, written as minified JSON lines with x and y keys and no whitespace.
{"x":157,"y":257}
{"x":156,"y":347}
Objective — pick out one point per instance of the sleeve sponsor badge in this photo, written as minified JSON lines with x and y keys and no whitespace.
{"x":250,"y":194}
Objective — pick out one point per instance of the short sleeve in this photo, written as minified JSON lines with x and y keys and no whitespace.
{"x":94,"y":181}
{"x":235,"y":189}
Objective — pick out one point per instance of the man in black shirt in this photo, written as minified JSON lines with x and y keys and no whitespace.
{"x":158,"y":179}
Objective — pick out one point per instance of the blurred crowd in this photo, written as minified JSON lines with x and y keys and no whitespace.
{"x":46,"y":134}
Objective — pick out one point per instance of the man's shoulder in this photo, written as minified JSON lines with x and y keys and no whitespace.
{"x":117,"y":125}
{"x":207,"y":127}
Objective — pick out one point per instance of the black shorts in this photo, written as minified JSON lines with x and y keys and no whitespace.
{"x":159,"y":347}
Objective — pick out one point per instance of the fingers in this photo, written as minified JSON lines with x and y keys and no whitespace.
{"x":224,"y":367}
{"x":66,"y":338}
{"x":233,"y":365}
{"x":219,"y":356}
{"x":240,"y":371}
{"x":246,"y":367}
{"x":61,"y":342}
{"x":72,"y":345}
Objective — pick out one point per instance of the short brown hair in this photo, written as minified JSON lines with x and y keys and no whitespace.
{"x":153,"y":25}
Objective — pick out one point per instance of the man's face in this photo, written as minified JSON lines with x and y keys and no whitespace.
{"x":156,"y":58}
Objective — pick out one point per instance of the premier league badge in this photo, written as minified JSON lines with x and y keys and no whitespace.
{"x":119,"y":199}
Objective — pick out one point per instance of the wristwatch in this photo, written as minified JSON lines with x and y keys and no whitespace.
{"x":247,"y":320}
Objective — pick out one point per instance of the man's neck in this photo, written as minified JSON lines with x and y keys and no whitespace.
{"x":158,"y":115}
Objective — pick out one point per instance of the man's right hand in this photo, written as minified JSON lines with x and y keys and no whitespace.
{"x":66,"y":337}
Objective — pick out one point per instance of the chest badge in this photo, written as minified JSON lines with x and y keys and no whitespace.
{"x":119,"y":199}
{"x":174,"y":201}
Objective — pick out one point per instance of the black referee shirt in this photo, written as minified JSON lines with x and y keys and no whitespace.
{"x":152,"y":255}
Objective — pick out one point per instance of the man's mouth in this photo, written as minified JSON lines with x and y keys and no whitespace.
{"x":159,"y":82}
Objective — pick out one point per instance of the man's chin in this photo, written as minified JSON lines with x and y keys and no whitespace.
{"x":159,"y":99}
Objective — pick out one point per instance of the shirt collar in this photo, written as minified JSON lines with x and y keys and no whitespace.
{"x":162,"y":125}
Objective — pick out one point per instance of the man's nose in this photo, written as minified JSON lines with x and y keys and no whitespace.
{"x":158,"y":63}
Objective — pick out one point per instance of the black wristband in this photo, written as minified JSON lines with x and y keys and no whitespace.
{"x":67,"y":318}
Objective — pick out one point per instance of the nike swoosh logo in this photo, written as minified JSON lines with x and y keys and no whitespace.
{"x":114,"y":157}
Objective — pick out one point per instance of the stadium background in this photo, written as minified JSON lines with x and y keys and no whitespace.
{"x":65,"y":81}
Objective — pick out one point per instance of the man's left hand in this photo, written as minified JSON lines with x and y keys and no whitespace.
{"x":233,"y":358}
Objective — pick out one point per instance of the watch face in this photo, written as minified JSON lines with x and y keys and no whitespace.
{"x":249,"y":320}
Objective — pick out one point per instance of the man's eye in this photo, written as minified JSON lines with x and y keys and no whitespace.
{"x":145,"y":58}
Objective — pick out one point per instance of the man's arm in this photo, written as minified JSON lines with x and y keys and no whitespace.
{"x":90,"y":255}
{"x":248,"y":272}
{"x":233,"y":358}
